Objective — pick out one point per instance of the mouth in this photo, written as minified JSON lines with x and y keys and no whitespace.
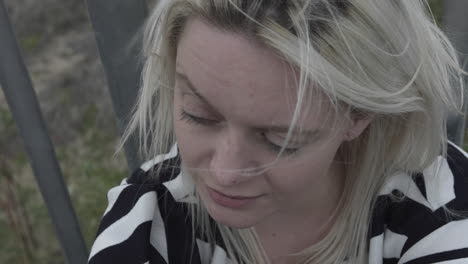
{"x":239,"y":197}
{"x":230,"y":201}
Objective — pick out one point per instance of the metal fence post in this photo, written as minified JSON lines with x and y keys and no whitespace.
{"x":455,"y":23}
{"x":116,"y":23}
{"x":21,"y":98}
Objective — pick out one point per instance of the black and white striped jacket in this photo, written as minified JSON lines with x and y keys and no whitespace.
{"x":146,"y":220}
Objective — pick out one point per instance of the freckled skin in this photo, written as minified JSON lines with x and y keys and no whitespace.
{"x":247,"y":86}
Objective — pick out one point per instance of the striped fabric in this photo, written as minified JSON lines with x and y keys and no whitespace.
{"x":146,"y":221}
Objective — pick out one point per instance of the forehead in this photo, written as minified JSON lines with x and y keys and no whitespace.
{"x":241,"y":78}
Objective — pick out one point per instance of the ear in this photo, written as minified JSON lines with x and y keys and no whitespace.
{"x":357,"y":126}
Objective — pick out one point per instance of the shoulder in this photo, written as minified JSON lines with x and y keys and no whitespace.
{"x":429,"y":224}
{"x":147,"y":216}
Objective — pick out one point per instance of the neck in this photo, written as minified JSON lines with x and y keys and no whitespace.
{"x":293,"y":230}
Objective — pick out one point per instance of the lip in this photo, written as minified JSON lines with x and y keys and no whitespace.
{"x":230,"y":201}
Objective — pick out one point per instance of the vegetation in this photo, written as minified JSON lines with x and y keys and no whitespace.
{"x":64,"y":65}
{"x":61,"y":56}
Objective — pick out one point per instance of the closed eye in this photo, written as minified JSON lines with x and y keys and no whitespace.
{"x":195,"y":120}
{"x":189,"y":118}
{"x":277,"y":148}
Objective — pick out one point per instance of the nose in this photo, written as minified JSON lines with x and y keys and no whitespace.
{"x":231,"y":162}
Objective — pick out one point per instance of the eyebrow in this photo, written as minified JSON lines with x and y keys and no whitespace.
{"x":272,"y":128}
{"x":192,"y":88}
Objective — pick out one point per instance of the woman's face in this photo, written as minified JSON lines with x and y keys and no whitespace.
{"x":232,"y":108}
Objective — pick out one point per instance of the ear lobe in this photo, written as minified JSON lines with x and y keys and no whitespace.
{"x":357,"y":126}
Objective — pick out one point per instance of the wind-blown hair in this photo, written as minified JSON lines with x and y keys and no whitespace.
{"x":381,"y":58}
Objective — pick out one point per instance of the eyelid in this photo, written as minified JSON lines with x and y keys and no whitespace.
{"x":202,"y":103}
{"x":187,"y":85}
{"x":207,"y":122}
{"x":297,"y":139}
{"x":184,"y":115}
{"x":289,"y":151}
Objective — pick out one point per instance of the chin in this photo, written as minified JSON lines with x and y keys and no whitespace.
{"x":231,"y":219}
{"x":235,"y":218}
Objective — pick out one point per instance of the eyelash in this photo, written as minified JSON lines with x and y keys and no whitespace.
{"x":277,"y":149}
{"x":191,"y":119}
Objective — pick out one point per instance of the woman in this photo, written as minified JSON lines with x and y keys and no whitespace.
{"x":299,"y":132}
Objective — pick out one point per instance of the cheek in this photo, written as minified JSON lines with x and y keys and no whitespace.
{"x":303,"y":177}
{"x":298,"y":176}
{"x":193,"y":145}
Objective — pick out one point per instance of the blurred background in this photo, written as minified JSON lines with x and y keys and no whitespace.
{"x":59,"y":49}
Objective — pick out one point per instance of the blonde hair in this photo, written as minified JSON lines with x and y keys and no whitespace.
{"x":382,"y":58}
